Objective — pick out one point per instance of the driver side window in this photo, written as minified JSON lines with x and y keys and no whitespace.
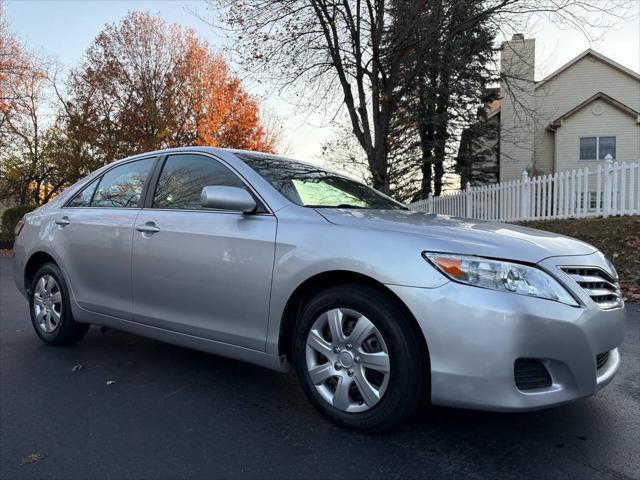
{"x":184,"y":176}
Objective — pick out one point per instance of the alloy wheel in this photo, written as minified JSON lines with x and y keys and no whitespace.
{"x":347,"y":360}
{"x":47,"y":304}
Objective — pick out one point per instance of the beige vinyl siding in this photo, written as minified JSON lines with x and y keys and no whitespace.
{"x":584,"y":123}
{"x":576,"y":84}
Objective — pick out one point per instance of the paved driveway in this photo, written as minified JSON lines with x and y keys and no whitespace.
{"x":176,"y":413}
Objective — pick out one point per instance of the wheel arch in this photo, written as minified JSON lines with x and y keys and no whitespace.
{"x":332,"y":278}
{"x":36,"y":260}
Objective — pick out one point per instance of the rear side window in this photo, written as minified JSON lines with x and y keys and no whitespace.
{"x":184,"y":176}
{"x":83,"y":199}
{"x":121,"y":187}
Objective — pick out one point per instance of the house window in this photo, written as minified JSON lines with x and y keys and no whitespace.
{"x":588,"y":148}
{"x":606,"y":146}
{"x":597,"y":148}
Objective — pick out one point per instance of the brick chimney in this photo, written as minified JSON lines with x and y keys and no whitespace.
{"x":517,"y":66}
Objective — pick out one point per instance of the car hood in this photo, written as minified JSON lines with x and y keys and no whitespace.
{"x":463,"y":235}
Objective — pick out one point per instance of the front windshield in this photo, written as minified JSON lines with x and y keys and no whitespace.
{"x":311,"y":186}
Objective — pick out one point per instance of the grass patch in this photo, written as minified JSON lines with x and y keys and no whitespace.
{"x":617,"y":237}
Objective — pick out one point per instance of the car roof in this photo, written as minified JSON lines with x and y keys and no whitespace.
{"x":223,"y":152}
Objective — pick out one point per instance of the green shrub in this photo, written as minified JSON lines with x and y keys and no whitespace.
{"x":11,"y":217}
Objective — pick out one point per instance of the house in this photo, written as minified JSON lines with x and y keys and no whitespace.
{"x":575,"y":117}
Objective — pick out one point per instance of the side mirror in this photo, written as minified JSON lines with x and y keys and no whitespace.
{"x":228,"y":198}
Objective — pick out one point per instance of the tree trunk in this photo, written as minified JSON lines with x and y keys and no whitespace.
{"x":442,"y":117}
{"x":426,"y":161}
{"x":426,"y":176}
{"x":438,"y":171}
{"x":426,"y":127}
{"x":378,"y":158}
{"x":440,"y":143}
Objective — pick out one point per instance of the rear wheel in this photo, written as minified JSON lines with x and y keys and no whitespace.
{"x":358,"y":359}
{"x":51,"y":310}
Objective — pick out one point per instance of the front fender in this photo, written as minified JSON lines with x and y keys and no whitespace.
{"x":306,"y":249}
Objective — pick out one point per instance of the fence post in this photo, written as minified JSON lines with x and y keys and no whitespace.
{"x":608,"y":184}
{"x":524,"y":196}
{"x":468,"y":201}
{"x":430,"y":203}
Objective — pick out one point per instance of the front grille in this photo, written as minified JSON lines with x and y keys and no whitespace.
{"x":601,"y":360}
{"x":599,"y":285}
{"x":531,"y":374}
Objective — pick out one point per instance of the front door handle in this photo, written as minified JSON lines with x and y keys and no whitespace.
{"x":148,"y":227}
{"x":63,"y":222}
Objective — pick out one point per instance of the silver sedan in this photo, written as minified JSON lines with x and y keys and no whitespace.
{"x":279,"y":263}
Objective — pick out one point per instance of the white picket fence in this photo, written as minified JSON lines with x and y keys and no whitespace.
{"x":611,"y":189}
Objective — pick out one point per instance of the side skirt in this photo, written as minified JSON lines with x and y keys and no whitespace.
{"x":235,"y":352}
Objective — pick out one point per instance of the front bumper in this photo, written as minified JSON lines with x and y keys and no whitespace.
{"x":475,"y":335}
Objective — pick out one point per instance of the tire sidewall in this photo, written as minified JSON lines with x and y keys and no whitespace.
{"x":405,"y":365}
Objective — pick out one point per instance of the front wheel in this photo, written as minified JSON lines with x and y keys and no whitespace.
{"x":358,"y":359}
{"x":50,"y":308}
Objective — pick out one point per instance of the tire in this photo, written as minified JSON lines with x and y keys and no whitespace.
{"x":50,"y":309}
{"x":398,"y":382}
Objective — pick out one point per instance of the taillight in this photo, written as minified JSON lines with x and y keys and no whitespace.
{"x":19,"y":227}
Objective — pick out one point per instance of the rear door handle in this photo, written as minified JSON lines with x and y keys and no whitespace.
{"x":148,"y":227}
{"x":64,"y":221}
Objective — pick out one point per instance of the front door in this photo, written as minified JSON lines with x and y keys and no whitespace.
{"x":198,"y":271}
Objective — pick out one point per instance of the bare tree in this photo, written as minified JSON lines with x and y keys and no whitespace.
{"x":344,"y":53}
{"x":28,"y":172}
{"x":326,"y":49}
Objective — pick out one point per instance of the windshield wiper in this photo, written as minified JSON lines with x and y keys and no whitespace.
{"x":342,"y":205}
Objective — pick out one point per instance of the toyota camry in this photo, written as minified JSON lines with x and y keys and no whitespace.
{"x":285,"y":264}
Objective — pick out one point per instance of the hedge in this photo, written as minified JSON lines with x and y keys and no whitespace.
{"x":11,"y":217}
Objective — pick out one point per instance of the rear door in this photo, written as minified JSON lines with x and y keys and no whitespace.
{"x":92,"y":237}
{"x":199,"y":271}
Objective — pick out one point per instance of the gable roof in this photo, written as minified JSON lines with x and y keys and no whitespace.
{"x":598,"y":96}
{"x":593,"y":53}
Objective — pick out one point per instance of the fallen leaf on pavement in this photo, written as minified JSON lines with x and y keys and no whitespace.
{"x":32,"y":458}
{"x":110,"y":382}
{"x":77,"y":368}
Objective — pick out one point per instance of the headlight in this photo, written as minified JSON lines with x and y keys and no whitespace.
{"x":500,"y":275}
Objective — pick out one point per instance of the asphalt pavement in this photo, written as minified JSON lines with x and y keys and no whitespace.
{"x":136,"y":408}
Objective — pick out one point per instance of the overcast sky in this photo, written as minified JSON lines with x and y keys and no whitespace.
{"x":64,"y":29}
